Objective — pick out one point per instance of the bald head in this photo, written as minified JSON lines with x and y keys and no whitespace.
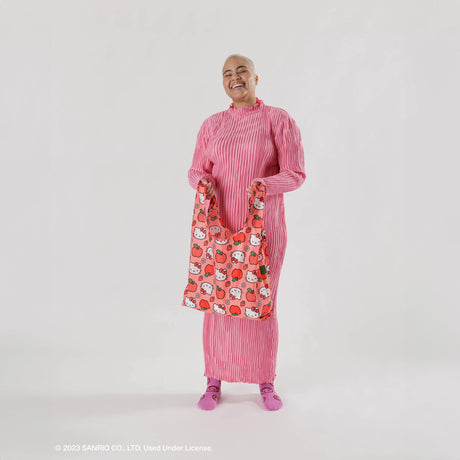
{"x":249,"y":62}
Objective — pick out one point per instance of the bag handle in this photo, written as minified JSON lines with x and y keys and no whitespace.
{"x":256,"y":191}
{"x":201,"y":190}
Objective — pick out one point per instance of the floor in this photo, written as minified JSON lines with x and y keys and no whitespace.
{"x":399,"y":414}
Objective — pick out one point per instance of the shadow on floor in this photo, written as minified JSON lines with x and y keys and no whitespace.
{"x":106,"y":404}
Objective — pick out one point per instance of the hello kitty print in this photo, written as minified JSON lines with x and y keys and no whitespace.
{"x":229,"y":272}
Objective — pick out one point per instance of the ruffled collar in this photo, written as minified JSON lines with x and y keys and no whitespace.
{"x":244,"y":110}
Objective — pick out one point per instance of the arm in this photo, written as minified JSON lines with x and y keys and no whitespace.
{"x":201,"y":165}
{"x":291,"y":159}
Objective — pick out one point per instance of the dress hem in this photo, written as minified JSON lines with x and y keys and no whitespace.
{"x":218,"y":376}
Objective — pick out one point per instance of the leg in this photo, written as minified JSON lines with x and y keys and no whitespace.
{"x":269,"y":397}
{"x":212,"y":394}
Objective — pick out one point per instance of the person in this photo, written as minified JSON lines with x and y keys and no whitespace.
{"x":247,"y":143}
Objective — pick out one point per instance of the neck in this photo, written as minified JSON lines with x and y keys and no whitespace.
{"x":248,"y":103}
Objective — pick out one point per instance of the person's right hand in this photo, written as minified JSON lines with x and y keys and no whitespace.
{"x":209,"y":188}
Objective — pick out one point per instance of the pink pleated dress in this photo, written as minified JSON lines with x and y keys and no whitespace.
{"x":235,"y":148}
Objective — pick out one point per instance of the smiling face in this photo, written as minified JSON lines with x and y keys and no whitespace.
{"x":240,"y":81}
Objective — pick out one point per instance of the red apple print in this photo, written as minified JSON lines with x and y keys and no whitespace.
{"x":253,"y":259}
{"x":200,"y":278}
{"x":242,"y":303}
{"x":229,"y":247}
{"x":227,"y":283}
{"x":209,"y":270}
{"x":237,"y":274}
{"x":191,"y":285}
{"x":248,"y":229}
{"x":235,"y":310}
{"x":212,"y":299}
{"x":196,"y":251}
{"x":257,"y":221}
{"x":220,"y":293}
{"x":220,"y":256}
{"x":239,"y":238}
{"x":204,"y":304}
{"x":265,"y":309}
{"x":250,"y":295}
{"x":201,"y":216}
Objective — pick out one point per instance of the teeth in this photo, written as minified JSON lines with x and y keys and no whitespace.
{"x":236,"y":86}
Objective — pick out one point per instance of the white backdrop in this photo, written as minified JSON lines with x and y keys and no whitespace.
{"x":100,"y":105}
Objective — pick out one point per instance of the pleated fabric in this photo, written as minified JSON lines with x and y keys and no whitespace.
{"x":235,"y":148}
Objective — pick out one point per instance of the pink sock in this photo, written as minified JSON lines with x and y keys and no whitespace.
{"x":271,"y":400}
{"x":209,"y":400}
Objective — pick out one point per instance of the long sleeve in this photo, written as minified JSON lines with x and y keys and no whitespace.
{"x":291,"y":159}
{"x":201,"y":165}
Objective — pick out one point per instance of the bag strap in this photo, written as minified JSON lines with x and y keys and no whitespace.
{"x":256,"y":192}
{"x":200,"y":200}
{"x":201,"y":188}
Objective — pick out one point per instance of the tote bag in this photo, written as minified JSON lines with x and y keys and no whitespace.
{"x":229,"y":272}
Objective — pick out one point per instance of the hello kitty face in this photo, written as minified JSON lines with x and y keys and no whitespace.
{"x":209,"y":253}
{"x":201,"y":195}
{"x":221,"y":274}
{"x":264,"y":292}
{"x":195,"y":268}
{"x":235,"y":293}
{"x":199,"y":233}
{"x":252,"y":312}
{"x":219,"y":308}
{"x":258,"y":203}
{"x":251,"y":277}
{"x":255,"y":239}
{"x":215,"y":229}
{"x":206,"y":288}
{"x":189,"y":302}
{"x":237,"y":256}
{"x":219,"y":241}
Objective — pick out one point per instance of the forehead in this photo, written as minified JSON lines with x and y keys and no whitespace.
{"x":234,"y":62}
